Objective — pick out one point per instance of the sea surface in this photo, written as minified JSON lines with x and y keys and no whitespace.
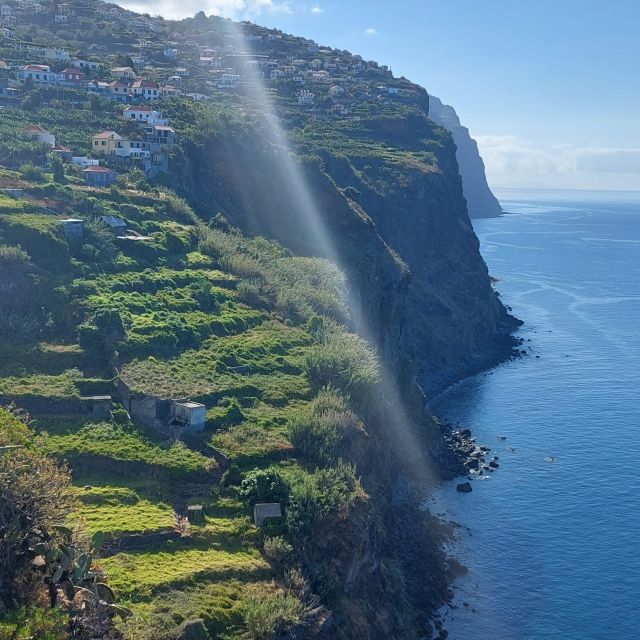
{"x":552,"y":539}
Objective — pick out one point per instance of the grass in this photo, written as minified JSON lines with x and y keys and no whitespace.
{"x":141,"y":574}
{"x":119,"y":511}
{"x":63,"y":385}
{"x":143,"y":517}
{"x":266,"y":361}
{"x":128,"y":445}
{"x":219,"y":604}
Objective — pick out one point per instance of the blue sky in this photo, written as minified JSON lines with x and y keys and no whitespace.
{"x":551,"y":89}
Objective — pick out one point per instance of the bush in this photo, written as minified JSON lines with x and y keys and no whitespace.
{"x":268,"y":619}
{"x":31,"y":173}
{"x":343,"y":360}
{"x":263,"y":485}
{"x":100,"y":336}
{"x":313,"y":497}
{"x":319,"y":431}
{"x":278,"y":551}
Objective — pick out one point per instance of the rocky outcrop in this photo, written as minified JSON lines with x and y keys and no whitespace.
{"x":480,"y":200}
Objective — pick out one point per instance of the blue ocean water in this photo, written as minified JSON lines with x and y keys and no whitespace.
{"x":552,"y":539}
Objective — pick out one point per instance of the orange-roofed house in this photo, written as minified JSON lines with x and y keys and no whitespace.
{"x":97,"y":176}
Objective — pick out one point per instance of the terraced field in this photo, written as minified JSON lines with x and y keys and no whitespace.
{"x":239,"y":325}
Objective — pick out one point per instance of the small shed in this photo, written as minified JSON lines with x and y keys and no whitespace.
{"x":191,"y":416}
{"x":96,"y":406}
{"x":195,"y":514}
{"x":116,"y":225}
{"x":73,"y":228}
{"x":266,"y":511}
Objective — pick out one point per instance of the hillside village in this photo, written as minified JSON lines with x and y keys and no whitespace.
{"x":168,"y":59}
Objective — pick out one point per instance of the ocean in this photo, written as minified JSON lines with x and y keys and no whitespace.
{"x":552,"y":539}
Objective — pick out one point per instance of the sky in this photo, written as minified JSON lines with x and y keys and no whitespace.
{"x":550,"y":89}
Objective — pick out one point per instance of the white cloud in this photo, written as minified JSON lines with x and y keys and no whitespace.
{"x":370,"y":31}
{"x":317,"y":9}
{"x":238,"y":9}
{"x":511,"y":161}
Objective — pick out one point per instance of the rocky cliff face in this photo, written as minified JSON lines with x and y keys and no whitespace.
{"x":480,"y":201}
{"x":398,"y":225}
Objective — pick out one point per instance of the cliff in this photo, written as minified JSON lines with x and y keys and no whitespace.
{"x":480,"y":201}
{"x":396,"y":221}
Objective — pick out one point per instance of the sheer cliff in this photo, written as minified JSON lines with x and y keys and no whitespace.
{"x":480,"y":200}
{"x":389,"y":194}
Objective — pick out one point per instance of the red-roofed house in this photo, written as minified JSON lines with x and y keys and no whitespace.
{"x":37,"y":73}
{"x":72,"y":76}
{"x":97,"y":176}
{"x":119,"y":90}
{"x":39,"y":134}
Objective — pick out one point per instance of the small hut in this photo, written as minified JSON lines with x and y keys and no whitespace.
{"x":195,"y":514}
{"x":73,"y":228}
{"x":266,"y":511}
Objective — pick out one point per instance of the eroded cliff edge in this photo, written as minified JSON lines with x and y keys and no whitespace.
{"x":480,"y":200}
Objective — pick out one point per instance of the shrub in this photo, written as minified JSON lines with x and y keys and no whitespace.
{"x":342,"y":360}
{"x":268,"y":619}
{"x":263,"y":485}
{"x":31,"y":173}
{"x":100,"y":336}
{"x":278,"y":551}
{"x":319,"y":431}
{"x":313,"y":497}
{"x":316,"y":437}
{"x":57,"y":168}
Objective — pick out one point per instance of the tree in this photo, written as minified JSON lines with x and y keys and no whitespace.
{"x":57,"y":168}
{"x":36,"y":500}
{"x":39,"y":555}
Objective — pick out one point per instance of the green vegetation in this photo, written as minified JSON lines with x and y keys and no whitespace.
{"x":239,"y":324}
{"x":263,"y":338}
{"x":127,"y":445}
{"x":120,"y":510}
{"x":43,"y":560}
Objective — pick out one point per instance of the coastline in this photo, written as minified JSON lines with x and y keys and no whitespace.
{"x":461,"y":461}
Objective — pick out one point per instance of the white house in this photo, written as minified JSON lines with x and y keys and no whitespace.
{"x":171,"y":92}
{"x":37,"y":73}
{"x":119,"y":90}
{"x":306,"y":98}
{"x":145,"y":89}
{"x":144,"y":114}
{"x":197,"y":97}
{"x":61,"y":18}
{"x":39,"y":134}
{"x":229,"y":80}
{"x":126,"y":73}
{"x":86,"y":65}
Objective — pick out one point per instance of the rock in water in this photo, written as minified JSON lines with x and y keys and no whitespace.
{"x":465,"y":487}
